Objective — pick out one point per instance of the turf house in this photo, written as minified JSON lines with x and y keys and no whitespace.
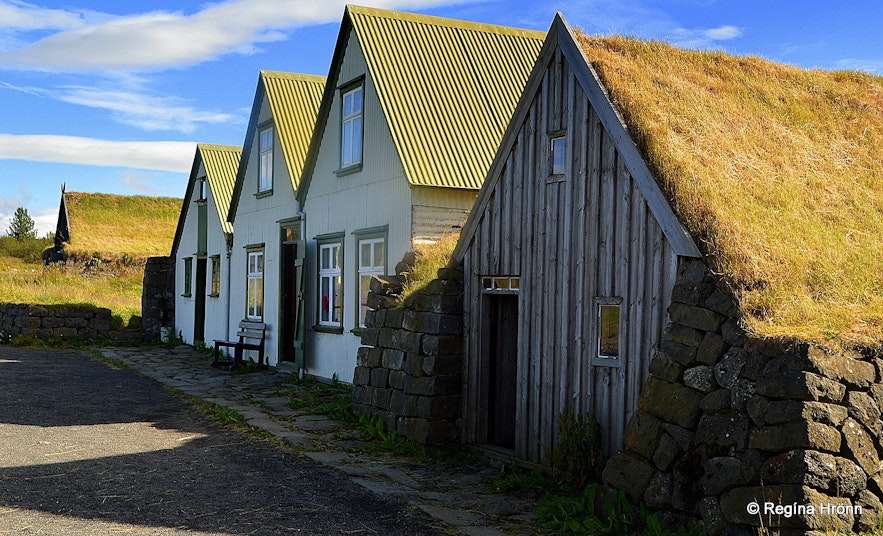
{"x":687,"y":245}
{"x":201,"y":247}
{"x":395,"y":162}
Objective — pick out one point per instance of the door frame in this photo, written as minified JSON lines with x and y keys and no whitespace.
{"x":496,"y":304}
{"x":292,"y":252}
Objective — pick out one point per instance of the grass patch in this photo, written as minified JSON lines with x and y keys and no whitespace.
{"x":320,"y":398}
{"x":373,"y":431}
{"x":430,"y":257}
{"x":115,"y":287}
{"x":775,"y":170}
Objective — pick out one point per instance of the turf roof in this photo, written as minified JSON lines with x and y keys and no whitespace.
{"x":775,"y":170}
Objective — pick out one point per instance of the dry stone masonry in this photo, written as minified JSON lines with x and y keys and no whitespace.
{"x":158,"y":297}
{"x":81,"y":322}
{"x":409,"y":367}
{"x":735,"y":432}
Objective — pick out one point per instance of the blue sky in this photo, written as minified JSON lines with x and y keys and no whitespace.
{"x":112,"y":96}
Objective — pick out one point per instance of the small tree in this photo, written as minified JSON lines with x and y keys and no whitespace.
{"x":22,"y":225}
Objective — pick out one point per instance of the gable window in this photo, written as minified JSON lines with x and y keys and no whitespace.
{"x":372,"y":261}
{"x":188,"y":277}
{"x":216,"y":276}
{"x":608,"y":327}
{"x":255,"y":289}
{"x":200,"y":189}
{"x":351,"y":127}
{"x":265,"y":179}
{"x":330,"y":284}
{"x":558,"y":155}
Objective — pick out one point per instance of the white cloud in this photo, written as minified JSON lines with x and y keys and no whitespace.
{"x":702,"y":38}
{"x":853,"y":64}
{"x":22,"y":16}
{"x":158,"y":155}
{"x":147,"y":112}
{"x":161,"y":39}
{"x":139,"y":181}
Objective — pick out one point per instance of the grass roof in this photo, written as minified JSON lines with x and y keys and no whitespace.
{"x":118,"y":225}
{"x":776,"y":171}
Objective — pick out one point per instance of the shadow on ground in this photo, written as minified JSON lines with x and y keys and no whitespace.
{"x":65,"y":417}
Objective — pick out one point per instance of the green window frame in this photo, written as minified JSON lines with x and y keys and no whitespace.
{"x":188,"y":277}
{"x":371,"y":260}
{"x":352,"y":100}
{"x":329,"y":306}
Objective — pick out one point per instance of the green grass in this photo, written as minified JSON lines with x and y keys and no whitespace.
{"x":118,"y":228}
{"x":430,"y":257}
{"x":775,"y":170}
{"x":117,"y":288}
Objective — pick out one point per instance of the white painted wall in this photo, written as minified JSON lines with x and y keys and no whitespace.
{"x":215,"y":307}
{"x":256,"y":222}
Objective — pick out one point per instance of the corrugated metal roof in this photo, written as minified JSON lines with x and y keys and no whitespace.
{"x":221,"y":163}
{"x":448,"y":89}
{"x":294,"y":101}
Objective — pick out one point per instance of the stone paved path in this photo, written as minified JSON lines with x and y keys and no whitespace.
{"x":456,"y":493}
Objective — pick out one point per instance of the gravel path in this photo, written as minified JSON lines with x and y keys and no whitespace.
{"x":86,"y":448}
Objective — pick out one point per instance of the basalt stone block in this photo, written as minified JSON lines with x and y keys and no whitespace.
{"x":692,"y":272}
{"x":628,"y":473}
{"x":723,"y":302}
{"x":726,"y":372}
{"x":695,"y":317}
{"x":732,"y":333}
{"x":396,"y":379}
{"x":361,"y":376}
{"x":801,"y":386}
{"x":721,"y":474}
{"x":442,"y":364}
{"x":78,"y":323}
{"x":711,"y":349}
{"x":667,"y":451}
{"x":842,"y":367}
{"x":662,"y":366}
{"x":860,"y":446}
{"x":439,"y":407}
{"x":800,"y":466}
{"x":700,"y":378}
{"x":434,"y":345}
{"x":379,"y":377}
{"x":659,"y":490}
{"x":38,"y":310}
{"x":723,"y":430}
{"x":862,"y":408}
{"x":642,"y":434}
{"x":65,"y":333}
{"x":796,"y":435}
{"x":370,"y":336}
{"x":380,"y":398}
{"x":433,"y":385}
{"x":684,"y":335}
{"x":394,"y":318}
{"x":406,"y":341}
{"x":50,"y":322}
{"x":741,"y":392}
{"x":392,"y":359}
{"x":782,"y":411}
{"x":450,"y":272}
{"x":671,"y":402}
{"x":872,"y":511}
{"x":413,"y":364}
{"x":369,"y":357}
{"x":712,"y":518}
{"x":850,"y":479}
{"x":716,"y":401}
{"x":691,"y":293}
{"x":379,"y":301}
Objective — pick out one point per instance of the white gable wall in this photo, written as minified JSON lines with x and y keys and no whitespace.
{"x":376,"y":196}
{"x":257,"y":223}
{"x":215,"y":307}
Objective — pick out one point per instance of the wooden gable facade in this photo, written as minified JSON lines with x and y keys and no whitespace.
{"x":570,"y":256}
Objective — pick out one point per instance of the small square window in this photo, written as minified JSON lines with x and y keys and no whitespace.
{"x":559,"y":154}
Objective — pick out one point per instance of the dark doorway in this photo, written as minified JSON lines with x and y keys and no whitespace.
{"x":502,"y":368}
{"x":199,"y":314}
{"x":292,"y":307}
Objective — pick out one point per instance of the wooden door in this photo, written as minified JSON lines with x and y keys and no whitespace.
{"x":502,"y":369}
{"x":292,"y":306}
{"x":199,"y":313}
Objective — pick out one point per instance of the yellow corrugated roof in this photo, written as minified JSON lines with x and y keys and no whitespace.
{"x":294,"y":101}
{"x":447,"y":87}
{"x":221,"y":163}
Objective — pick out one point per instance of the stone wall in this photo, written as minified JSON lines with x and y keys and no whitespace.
{"x":409,"y":369}
{"x":158,"y":297}
{"x":726,"y":421}
{"x":54,"y":321}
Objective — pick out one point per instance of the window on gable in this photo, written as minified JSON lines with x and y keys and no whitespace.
{"x":330,"y":284}
{"x":200,"y":189}
{"x":558,"y":155}
{"x":188,"y":277}
{"x":351,"y":127}
{"x":265,"y":179}
{"x":255,"y":290}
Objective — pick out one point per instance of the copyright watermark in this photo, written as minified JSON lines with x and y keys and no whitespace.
{"x":793,"y":509}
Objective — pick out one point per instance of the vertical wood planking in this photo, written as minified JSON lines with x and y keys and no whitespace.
{"x":590,"y":276}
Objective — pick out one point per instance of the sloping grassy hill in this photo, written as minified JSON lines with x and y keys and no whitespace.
{"x":775,"y":170}
{"x":115,"y":226}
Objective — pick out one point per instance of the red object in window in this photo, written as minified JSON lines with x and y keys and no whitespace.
{"x":325,"y":303}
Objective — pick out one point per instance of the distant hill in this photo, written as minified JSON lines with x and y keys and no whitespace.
{"x":116,"y":226}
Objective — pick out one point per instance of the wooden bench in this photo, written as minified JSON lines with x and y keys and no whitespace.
{"x":251,"y":337}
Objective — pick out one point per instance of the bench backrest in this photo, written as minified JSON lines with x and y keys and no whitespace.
{"x":252,"y":330}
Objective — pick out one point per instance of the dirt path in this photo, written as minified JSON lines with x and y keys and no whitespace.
{"x":89,"y":449}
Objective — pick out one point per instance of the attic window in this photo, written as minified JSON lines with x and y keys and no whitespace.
{"x":200,"y":189}
{"x":609,"y":311}
{"x":265,"y":179}
{"x":558,"y":155}
{"x":351,"y":127}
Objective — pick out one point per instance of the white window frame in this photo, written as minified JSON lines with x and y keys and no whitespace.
{"x":352,"y":106}
{"x":266,"y":138}
{"x":330,"y":303}
{"x":254,"y":293}
{"x":601,"y":357}
{"x":375,"y":266}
